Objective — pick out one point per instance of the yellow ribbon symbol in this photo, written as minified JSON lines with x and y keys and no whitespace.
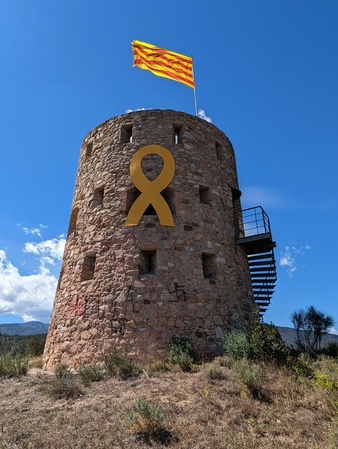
{"x":151,"y":190}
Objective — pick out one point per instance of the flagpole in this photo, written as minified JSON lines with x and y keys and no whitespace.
{"x":195,"y":96}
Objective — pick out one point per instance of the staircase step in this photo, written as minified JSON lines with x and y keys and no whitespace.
{"x":263,"y":303}
{"x":263,"y":283}
{"x":262,"y":263}
{"x":267,"y":255}
{"x":270,"y":276}
{"x":263,"y":270}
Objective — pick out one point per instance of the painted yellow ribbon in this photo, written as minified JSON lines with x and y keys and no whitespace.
{"x":151,"y":190}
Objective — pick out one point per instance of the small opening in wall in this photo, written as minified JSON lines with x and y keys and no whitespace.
{"x":127,"y":134}
{"x":73,"y":220}
{"x":147,"y":263}
{"x":209,"y":266}
{"x":219,"y":151}
{"x":88,"y":268}
{"x":205,"y":196}
{"x":89,"y":149}
{"x":97,"y":197}
{"x":177,"y":134}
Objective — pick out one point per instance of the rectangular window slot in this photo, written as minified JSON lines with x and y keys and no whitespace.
{"x":219,"y":151}
{"x":73,"y":220}
{"x":209,"y":266}
{"x":88,"y":268}
{"x":205,"y":196}
{"x":147,"y":262}
{"x":98,"y":197}
{"x":89,"y":149}
{"x":127,"y":134}
{"x":177,"y":134}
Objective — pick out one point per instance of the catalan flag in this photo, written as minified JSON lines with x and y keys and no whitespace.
{"x":163,"y":62}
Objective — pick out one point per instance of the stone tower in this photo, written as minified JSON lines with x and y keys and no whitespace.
{"x":151,"y":249}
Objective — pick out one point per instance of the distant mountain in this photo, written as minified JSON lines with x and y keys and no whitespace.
{"x":29,"y":328}
{"x":36,"y":327}
{"x":289,"y":336}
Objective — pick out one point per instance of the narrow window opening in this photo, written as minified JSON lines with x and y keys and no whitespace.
{"x":97,"y":197}
{"x":205,"y":196}
{"x":209,"y":266}
{"x":88,"y":268}
{"x":219,"y":151}
{"x":127,"y":134}
{"x":177,"y":134}
{"x":89,"y":149}
{"x":73,"y":221}
{"x":147,"y":263}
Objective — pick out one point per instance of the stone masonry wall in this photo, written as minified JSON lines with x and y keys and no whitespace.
{"x":133,"y":288}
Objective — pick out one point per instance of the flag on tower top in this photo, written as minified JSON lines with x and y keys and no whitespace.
{"x":163,"y":62}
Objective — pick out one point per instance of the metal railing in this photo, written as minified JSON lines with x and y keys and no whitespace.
{"x":253,"y":221}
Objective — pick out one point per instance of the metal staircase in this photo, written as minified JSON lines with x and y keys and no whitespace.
{"x":254,"y":234}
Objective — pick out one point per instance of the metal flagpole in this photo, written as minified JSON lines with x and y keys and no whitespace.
{"x":195,"y":96}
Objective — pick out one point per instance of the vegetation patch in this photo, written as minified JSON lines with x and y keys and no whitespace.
{"x":89,"y":374}
{"x":13,"y":365}
{"x":181,"y":353}
{"x":118,"y":364}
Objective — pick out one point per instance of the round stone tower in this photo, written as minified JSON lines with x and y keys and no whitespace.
{"x":151,"y":249}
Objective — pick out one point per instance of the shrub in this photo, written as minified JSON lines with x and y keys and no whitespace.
{"x":302,"y":367}
{"x":119,"y":364}
{"x":252,"y":375}
{"x":261,"y":341}
{"x":181,"y":353}
{"x":62,"y":371}
{"x":324,"y":381}
{"x":146,"y":418}
{"x":214,"y":371}
{"x":89,"y":374}
{"x":66,"y":387}
{"x":330,"y":349}
{"x":236,"y":345}
{"x":266,"y":343}
{"x":157,"y":367}
{"x":12,"y":365}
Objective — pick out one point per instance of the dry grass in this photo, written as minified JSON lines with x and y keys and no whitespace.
{"x":200,"y":413}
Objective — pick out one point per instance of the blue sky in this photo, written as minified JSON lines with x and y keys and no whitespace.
{"x":266,"y":75}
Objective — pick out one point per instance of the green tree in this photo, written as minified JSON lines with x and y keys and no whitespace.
{"x":311,"y":325}
{"x":36,"y":345}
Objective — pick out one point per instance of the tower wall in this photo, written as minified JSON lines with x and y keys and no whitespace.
{"x":134,"y":287}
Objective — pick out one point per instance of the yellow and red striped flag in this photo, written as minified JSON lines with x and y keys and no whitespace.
{"x":163,"y":62}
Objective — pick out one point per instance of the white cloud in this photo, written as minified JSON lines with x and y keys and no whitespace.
{"x":333,"y":331}
{"x":258,"y":195}
{"x":30,"y":296}
{"x":289,"y":258}
{"x":48,"y":250}
{"x":34,"y":231}
{"x":139,"y":109}
{"x":201,"y":113}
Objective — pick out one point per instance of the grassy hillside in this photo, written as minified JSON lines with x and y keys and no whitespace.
{"x":215,"y":406}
